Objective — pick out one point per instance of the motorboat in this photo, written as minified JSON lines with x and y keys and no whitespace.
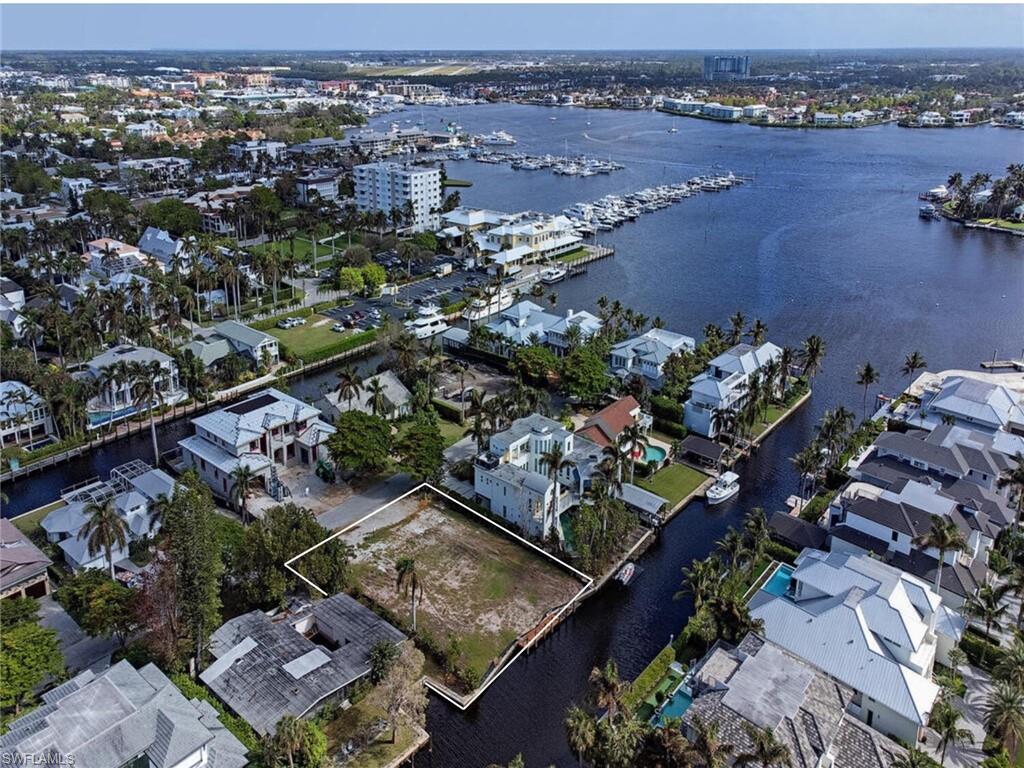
{"x":626,"y":574}
{"x":553,"y":275}
{"x":725,"y":487}
{"x":428,"y":322}
{"x":927,"y":211}
{"x":497,"y":138}
{"x":484,"y":307}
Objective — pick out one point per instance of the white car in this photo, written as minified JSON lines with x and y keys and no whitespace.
{"x":338,"y":328}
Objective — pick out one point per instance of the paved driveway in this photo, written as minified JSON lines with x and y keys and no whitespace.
{"x":366,"y":502}
{"x":979,"y":686}
{"x":81,"y":651}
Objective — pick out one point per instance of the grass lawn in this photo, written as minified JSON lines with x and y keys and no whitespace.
{"x":479,"y":584}
{"x":304,"y":246}
{"x":450,"y":431}
{"x":674,"y":482}
{"x":1003,"y":224}
{"x":307,"y":339}
{"x":457,"y":183}
{"x":774,"y":414}
{"x":29,"y":522}
{"x":358,"y":719}
{"x":571,"y":256}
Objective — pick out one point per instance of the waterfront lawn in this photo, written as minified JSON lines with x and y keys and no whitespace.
{"x":356,"y":722}
{"x":571,"y":256}
{"x":1002,"y":223}
{"x":30,"y":522}
{"x":309,"y":342}
{"x":480,"y":586}
{"x":674,"y":482}
{"x":774,"y":414}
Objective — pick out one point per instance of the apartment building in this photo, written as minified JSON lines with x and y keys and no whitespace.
{"x":388,"y":186}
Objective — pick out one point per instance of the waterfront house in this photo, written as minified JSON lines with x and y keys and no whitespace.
{"x":25,"y":417}
{"x":605,"y":426}
{"x":511,"y":477}
{"x":397,"y":398}
{"x":162,"y":251}
{"x":757,"y":685}
{"x":645,"y":355}
{"x":116,"y":399}
{"x":527,"y":323}
{"x":870,"y":626}
{"x":134,"y":488}
{"x":970,"y":402}
{"x":22,"y":566}
{"x":123,"y":717}
{"x":525,"y":237}
{"x":826,"y":118}
{"x":263,"y":432}
{"x":721,"y":111}
{"x":230,"y":337}
{"x":268,"y":668}
{"x":724,"y":385}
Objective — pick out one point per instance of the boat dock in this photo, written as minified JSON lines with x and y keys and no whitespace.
{"x":993,"y":364}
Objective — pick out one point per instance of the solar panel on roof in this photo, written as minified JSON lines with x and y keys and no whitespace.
{"x":249,"y":406}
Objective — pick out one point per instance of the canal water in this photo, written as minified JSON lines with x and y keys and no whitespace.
{"x":825,"y":240}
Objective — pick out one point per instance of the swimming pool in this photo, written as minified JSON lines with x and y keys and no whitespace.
{"x":675,"y":707}
{"x":654,"y":453}
{"x":779,"y":582}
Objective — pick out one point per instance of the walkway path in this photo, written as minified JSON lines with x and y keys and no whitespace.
{"x":979,"y":685}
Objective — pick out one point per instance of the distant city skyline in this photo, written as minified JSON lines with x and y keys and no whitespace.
{"x":508,"y":27}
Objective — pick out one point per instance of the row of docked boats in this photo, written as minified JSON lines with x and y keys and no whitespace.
{"x":613,"y":210}
{"x":560,"y":165}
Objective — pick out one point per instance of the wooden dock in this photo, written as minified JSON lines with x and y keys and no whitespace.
{"x":1016,"y":365}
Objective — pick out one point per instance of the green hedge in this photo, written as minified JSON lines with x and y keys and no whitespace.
{"x":974,"y":645}
{"x":778,"y":551}
{"x":271,"y":322}
{"x":648,"y":680}
{"x":447,"y":411}
{"x":241,"y":730}
{"x":670,"y":428}
{"x":666,"y":408}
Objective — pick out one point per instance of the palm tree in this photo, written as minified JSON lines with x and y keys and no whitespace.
{"x":1014,"y":479}
{"x":243,"y":479}
{"x":945,"y":537}
{"x":732,"y":546}
{"x":945,"y":721}
{"x":556,"y":463}
{"x":581,"y":730}
{"x":737,"y":322}
{"x":290,"y":736}
{"x":104,"y":530}
{"x":913,"y":758}
{"x":608,"y":689}
{"x":378,"y":401}
{"x":766,"y":750}
{"x":148,"y":395}
{"x":701,"y":580}
{"x":811,"y":355}
{"x":807,"y":463}
{"x":867,"y":376}
{"x":637,"y":440}
{"x":912,"y":363}
{"x":988,"y":606}
{"x":711,"y":750}
{"x":724,"y":421}
{"x":1011,"y":666}
{"x":350,"y":384}
{"x":758,"y":330}
{"x":407,"y":580}
{"x":1004,"y":716}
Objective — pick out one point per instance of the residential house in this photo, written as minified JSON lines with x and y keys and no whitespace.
{"x":527,"y":323}
{"x":322,"y":187}
{"x":269,"y":668}
{"x":759,"y":686}
{"x":397,"y":398}
{"x":147,"y":129}
{"x":134,"y":489}
{"x":25,"y":417}
{"x":525,"y":237}
{"x":123,"y":717}
{"x":12,"y":301}
{"x":512,"y":479}
{"x":160,"y":170}
{"x":22,"y":566}
{"x":73,"y":190}
{"x":267,"y":430}
{"x":212,"y":345}
{"x":605,"y":426}
{"x":216,"y":206}
{"x":161,"y":250}
{"x":870,"y":626}
{"x":645,"y":355}
{"x":970,"y":402}
{"x":724,"y":385}
{"x":826,"y":118}
{"x":116,"y":399}
{"x":721,"y":111}
{"x":107,"y":257}
{"x":253,"y":150}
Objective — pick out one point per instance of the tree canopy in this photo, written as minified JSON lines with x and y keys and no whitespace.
{"x":362,"y":442}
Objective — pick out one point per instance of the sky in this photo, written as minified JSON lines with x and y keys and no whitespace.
{"x":506,"y":27}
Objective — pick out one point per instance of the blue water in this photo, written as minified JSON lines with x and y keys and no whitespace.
{"x":654,"y":453}
{"x":826,"y":240}
{"x":779,"y":582}
{"x":676,"y":706}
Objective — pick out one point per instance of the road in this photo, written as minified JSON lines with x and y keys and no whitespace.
{"x":361,"y":505}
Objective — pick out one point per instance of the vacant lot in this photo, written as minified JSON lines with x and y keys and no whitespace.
{"x":480,"y":585}
{"x":307,"y":341}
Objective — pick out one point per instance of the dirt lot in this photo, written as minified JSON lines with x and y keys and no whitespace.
{"x":480,"y":584}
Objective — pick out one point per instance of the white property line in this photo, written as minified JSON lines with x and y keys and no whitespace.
{"x":547,"y":622}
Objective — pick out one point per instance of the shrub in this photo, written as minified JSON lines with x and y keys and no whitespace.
{"x":241,"y":730}
{"x":647,"y":680}
{"x":670,"y":428}
{"x":778,"y":551}
{"x":447,"y":411}
{"x":271,"y":322}
{"x":666,"y":408}
{"x":974,"y":645}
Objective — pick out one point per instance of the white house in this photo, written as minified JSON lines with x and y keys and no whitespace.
{"x":645,"y":355}
{"x":512,"y":478}
{"x":397,"y":400}
{"x":25,"y":418}
{"x":721,"y":111}
{"x":525,"y":323}
{"x":255,"y":149}
{"x":116,"y":399}
{"x":320,"y":186}
{"x":724,"y":385}
{"x":74,"y":189}
{"x":163,"y":251}
{"x":755,"y":110}
{"x":387,"y":186}
{"x":871,"y":627}
{"x":212,"y":345}
{"x":267,"y":430}
{"x":826,"y":118}
{"x":147,"y":129}
{"x":973,"y":403}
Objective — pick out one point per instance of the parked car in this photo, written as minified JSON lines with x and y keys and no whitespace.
{"x":338,"y":327}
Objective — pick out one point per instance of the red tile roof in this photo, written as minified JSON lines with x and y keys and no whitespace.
{"x":605,"y":425}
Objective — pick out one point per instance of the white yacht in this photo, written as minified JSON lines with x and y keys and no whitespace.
{"x":725,"y":487}
{"x":484,"y":307}
{"x":553,"y":275}
{"x":497,"y":138}
{"x":428,"y":322}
